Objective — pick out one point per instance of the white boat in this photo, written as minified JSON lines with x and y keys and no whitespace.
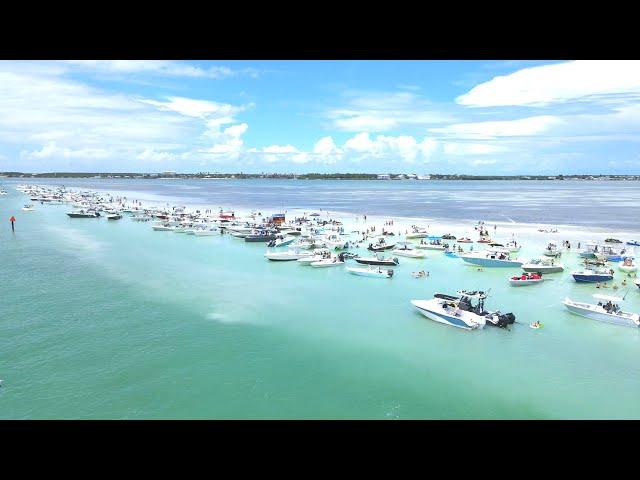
{"x":491,"y":258}
{"x":371,"y":272}
{"x":637,"y":282}
{"x":334,"y":261}
{"x":608,"y":312}
{"x":628,"y":265}
{"x":287,"y":256}
{"x":406,"y":249}
{"x":164,"y":228}
{"x":281,"y":242}
{"x":140,"y":218}
{"x":432,"y":245}
{"x":333,"y":241}
{"x":417,"y":233}
{"x":314,"y":257}
{"x":543,"y":265}
{"x":525,"y":279}
{"x":404,"y":252}
{"x":206,"y":232}
{"x":28,"y":208}
{"x":114,"y":216}
{"x":552,"y":250}
{"x":460,"y":311}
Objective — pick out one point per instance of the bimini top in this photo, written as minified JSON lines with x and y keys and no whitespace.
{"x":607,"y":297}
{"x":474,"y":294}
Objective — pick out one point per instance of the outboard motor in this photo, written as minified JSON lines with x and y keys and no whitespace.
{"x":505,"y":319}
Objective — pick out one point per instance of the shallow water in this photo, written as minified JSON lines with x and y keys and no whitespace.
{"x":113,"y":320}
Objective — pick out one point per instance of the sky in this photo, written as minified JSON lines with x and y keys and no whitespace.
{"x":458,"y":117}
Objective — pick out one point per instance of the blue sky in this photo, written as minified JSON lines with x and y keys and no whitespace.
{"x":477,"y":117}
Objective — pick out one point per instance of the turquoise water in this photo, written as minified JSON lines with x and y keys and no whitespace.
{"x":113,"y":320}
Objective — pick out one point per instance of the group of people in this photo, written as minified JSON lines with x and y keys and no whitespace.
{"x":610,"y":307}
{"x":420,"y":274}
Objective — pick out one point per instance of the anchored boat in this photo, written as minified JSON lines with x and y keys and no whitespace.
{"x":592,"y":276}
{"x":525,"y":279}
{"x":460,"y":312}
{"x":543,"y":265}
{"x":608,"y":312}
{"x":379,"y":260}
{"x":491,"y":258}
{"x":371,"y":272}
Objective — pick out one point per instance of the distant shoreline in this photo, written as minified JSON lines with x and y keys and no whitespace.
{"x":310,"y":176}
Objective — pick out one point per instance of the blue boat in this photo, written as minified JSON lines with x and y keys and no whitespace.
{"x":633,"y":242}
{"x":592,"y":276}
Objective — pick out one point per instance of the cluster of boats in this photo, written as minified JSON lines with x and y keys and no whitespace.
{"x":316,"y":243}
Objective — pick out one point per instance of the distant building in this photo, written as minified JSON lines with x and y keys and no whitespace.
{"x":168,"y":174}
{"x":400,"y":177}
{"x":384,"y":176}
{"x":551,"y":178}
{"x":424,"y":177}
{"x":412,"y":175}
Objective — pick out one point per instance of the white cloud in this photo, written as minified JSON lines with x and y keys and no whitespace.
{"x":159,"y":67}
{"x":196,"y":108}
{"x":403,"y":147}
{"x":546,"y":84}
{"x":471,"y":148}
{"x":383,"y":111}
{"x":505,"y":128}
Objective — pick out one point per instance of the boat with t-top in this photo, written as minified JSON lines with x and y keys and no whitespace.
{"x":491,"y":258}
{"x":459,"y":311}
{"x":606,"y":310}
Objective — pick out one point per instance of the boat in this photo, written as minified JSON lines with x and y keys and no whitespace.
{"x":417,"y":232}
{"x":114,"y":216}
{"x":28,"y":208}
{"x":589,"y":250}
{"x":612,"y":240}
{"x":379,"y":260}
{"x":491,"y":258}
{"x":525,"y":279}
{"x":552,"y":250}
{"x":613,"y":254}
{"x":406,"y":250}
{"x":333,"y":261}
{"x":459,"y":311}
{"x":288,"y":256}
{"x":592,"y":276}
{"x":484,"y":240}
{"x":334,"y":242}
{"x":637,"y":282}
{"x":464,"y":240}
{"x":83,"y":214}
{"x":635,"y":243}
{"x":513,"y":246}
{"x":262,"y":236}
{"x":628,"y":265}
{"x":448,"y":236}
{"x":543,"y":265}
{"x":314,"y":257}
{"x":371,"y":272}
{"x":432,"y":245}
{"x":608,"y":312}
{"x":165,"y":227}
{"x":140,"y":218}
{"x":206,"y":232}
{"x":280,"y":242}
{"x":381,"y":246}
